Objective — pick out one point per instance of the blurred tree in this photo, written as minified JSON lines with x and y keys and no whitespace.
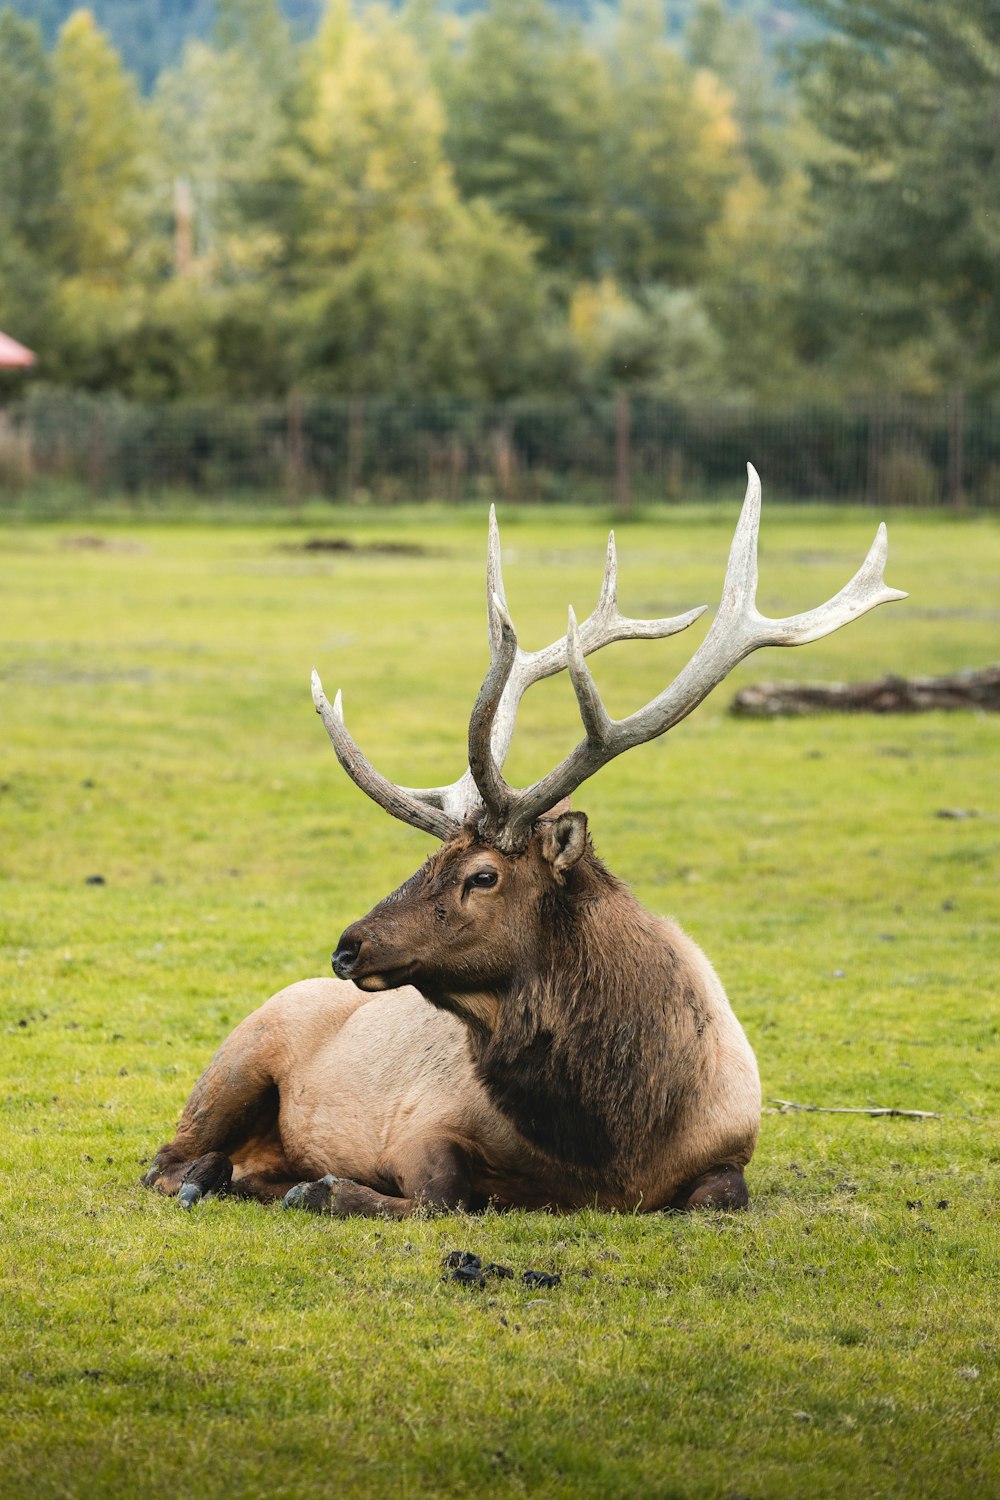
{"x":103,"y":142}
{"x":671,"y":152}
{"x":405,"y":288}
{"x":151,"y":35}
{"x":660,"y":342}
{"x":616,"y":156}
{"x":437,"y":33}
{"x":28,"y":182}
{"x":229,"y":116}
{"x":28,"y":162}
{"x":374,"y":134}
{"x":753,"y":280}
{"x":731,"y":45}
{"x":527,"y":108}
{"x":757,"y":287}
{"x":450,"y":306}
{"x":906,"y":194}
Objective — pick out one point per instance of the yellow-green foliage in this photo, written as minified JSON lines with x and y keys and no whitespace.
{"x":838,"y":1339}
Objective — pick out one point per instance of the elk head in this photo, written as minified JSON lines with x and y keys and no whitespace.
{"x":465,"y":919}
{"x":473,"y":919}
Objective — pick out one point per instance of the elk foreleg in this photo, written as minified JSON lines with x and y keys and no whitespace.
{"x":227,"y":1137}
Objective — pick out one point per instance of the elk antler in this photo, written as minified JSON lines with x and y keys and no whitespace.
{"x":738,"y":629}
{"x":440,"y":810}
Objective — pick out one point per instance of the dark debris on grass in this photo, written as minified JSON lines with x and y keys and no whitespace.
{"x":468,"y":1270}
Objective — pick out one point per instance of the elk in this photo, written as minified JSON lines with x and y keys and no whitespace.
{"x":510,"y":1026}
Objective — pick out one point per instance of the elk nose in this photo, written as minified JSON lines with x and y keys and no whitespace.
{"x":346,"y":956}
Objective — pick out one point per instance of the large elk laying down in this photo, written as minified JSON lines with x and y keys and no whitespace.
{"x":510,"y":1026}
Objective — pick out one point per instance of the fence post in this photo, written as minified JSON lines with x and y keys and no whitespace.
{"x":293,"y":449}
{"x":873,"y":484}
{"x":956,"y":449}
{"x":95,"y":458}
{"x":355,"y":443}
{"x":623,"y":445}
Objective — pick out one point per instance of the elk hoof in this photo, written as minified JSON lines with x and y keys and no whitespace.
{"x":719,"y":1187}
{"x":212,"y":1173}
{"x":315,"y":1197}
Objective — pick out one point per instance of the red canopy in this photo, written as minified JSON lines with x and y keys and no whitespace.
{"x":14,"y":356}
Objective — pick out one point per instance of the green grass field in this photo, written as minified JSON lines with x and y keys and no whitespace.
{"x":839,"y":1339}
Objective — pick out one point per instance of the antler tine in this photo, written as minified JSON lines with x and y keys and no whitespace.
{"x":483,"y":764}
{"x":608,"y":599}
{"x":398,"y":801}
{"x":437,"y":810}
{"x":513,"y":670}
{"x":494,"y":581}
{"x":592,"y":711}
{"x":738,"y":629}
{"x":605,"y":624}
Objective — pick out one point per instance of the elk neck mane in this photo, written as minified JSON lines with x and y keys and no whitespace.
{"x":583,"y":1048}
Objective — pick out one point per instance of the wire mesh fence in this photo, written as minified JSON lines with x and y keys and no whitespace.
{"x":627,"y":449}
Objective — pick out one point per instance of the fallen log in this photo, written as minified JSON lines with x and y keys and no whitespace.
{"x":975,"y":688}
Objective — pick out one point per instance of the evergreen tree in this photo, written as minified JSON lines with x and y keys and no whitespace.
{"x":103,"y":147}
{"x":672,"y":154}
{"x":527,"y":109}
{"x":28,"y":182}
{"x":228,"y":124}
{"x":731,"y":46}
{"x":405,"y":288}
{"x":907,"y":191}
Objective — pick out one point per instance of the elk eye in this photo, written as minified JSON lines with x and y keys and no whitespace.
{"x":481,"y":880}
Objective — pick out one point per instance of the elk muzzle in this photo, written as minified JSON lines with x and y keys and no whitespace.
{"x":346,"y":955}
{"x":360,"y":960}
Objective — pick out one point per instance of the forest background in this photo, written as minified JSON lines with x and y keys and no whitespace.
{"x":696,"y":201}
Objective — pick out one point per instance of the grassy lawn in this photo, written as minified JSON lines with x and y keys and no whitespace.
{"x":839,"y":1339}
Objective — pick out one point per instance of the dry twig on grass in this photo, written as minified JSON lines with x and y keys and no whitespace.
{"x":785,"y":1107}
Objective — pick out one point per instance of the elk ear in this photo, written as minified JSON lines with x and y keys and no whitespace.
{"x":563,"y":841}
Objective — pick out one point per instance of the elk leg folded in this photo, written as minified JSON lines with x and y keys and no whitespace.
{"x":345,"y":1199}
{"x":434,"y":1175}
{"x":232,"y":1114}
{"x":719,"y":1187}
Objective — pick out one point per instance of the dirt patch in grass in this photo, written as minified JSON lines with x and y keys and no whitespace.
{"x":361,"y":549}
{"x":88,"y":543}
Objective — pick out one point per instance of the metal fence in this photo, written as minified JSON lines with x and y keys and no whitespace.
{"x":894,"y":453}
